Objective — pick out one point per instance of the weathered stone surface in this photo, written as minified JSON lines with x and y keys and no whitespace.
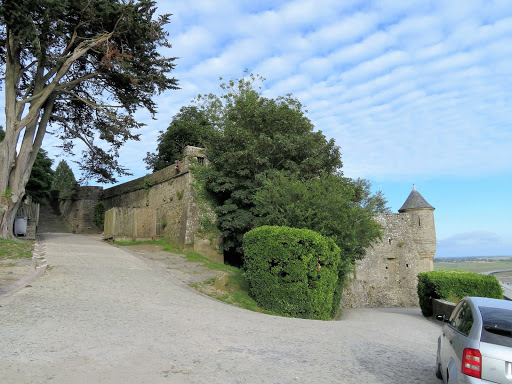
{"x":387,"y":276}
{"x":221,"y":280}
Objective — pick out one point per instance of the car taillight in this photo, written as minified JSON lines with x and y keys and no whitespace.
{"x":472,"y":362}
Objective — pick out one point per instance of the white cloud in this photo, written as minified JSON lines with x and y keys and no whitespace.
{"x":404,"y":87}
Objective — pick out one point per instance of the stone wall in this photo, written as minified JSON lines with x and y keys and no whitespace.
{"x":178,"y":213}
{"x":387,"y":276}
{"x":78,"y":210}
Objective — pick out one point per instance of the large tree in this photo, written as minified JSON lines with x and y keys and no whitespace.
{"x":82,"y":67}
{"x":64,"y":179}
{"x":257,"y":136}
{"x":189,"y":127}
{"x":41,"y":178}
{"x":330,"y":204}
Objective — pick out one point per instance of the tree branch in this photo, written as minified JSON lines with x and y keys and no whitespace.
{"x":74,"y":132}
{"x":42,"y":96}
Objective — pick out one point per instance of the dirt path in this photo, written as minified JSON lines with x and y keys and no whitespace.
{"x":101,"y":315}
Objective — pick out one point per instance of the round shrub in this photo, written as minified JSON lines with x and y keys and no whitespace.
{"x":291,"y":271}
{"x":455,"y":284}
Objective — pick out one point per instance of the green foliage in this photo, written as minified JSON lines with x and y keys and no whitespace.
{"x":189,"y":127}
{"x":179,"y":194}
{"x":329,"y":205}
{"x":455,"y":284}
{"x":99,"y":214}
{"x":7,"y":194}
{"x":256,"y":136}
{"x":370,"y":202}
{"x":64,"y":179}
{"x":146,"y":184}
{"x":85,"y":66}
{"x":2,"y":133}
{"x":41,"y":178}
{"x":292,"y":271}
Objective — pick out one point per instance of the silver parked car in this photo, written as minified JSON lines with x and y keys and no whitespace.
{"x":476,"y":343}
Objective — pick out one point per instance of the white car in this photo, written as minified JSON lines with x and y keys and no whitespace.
{"x":476,"y":343}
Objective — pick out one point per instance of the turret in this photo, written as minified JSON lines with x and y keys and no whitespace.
{"x":421,"y":215}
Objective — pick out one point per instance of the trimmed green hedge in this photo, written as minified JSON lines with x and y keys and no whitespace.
{"x":291,"y":271}
{"x":455,"y":284}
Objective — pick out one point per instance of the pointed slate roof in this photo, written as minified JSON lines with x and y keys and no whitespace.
{"x":415,"y":201}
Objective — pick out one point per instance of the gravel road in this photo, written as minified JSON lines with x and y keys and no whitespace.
{"x":101,"y":315}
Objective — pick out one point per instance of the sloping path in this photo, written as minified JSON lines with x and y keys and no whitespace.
{"x":101,"y":315}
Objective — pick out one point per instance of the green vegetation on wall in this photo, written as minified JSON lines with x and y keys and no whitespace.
{"x":99,"y":214}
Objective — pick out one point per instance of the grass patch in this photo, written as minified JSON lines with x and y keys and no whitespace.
{"x":13,"y":249}
{"x":166,"y":245}
{"x":195,"y":257}
{"x":477,"y":265}
{"x":236,"y":291}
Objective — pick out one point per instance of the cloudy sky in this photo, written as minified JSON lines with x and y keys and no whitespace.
{"x":412,"y":91}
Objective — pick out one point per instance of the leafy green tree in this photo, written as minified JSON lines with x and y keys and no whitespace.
{"x":189,"y":127}
{"x":41,"y":178}
{"x":330,"y":205}
{"x":64,"y":179}
{"x":376,"y":203}
{"x":257,"y":136}
{"x":81,"y":67}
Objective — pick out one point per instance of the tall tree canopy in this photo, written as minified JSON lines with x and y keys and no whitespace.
{"x":41,"y":178}
{"x":331,"y":205}
{"x":82,"y":67}
{"x":64,"y":179}
{"x":257,"y":136}
{"x":189,"y":127}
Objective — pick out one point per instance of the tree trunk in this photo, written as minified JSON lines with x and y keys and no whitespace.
{"x":8,"y":210}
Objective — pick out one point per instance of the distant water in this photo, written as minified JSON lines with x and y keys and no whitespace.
{"x":470,"y":258}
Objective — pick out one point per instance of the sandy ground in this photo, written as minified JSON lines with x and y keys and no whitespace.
{"x":101,"y":314}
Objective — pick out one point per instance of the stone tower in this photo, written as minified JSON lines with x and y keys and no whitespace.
{"x":387,"y":275}
{"x":422,"y":226}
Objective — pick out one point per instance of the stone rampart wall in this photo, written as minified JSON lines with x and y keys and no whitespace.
{"x":178,"y":214}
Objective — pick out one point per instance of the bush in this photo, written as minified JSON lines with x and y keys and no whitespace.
{"x":455,"y":284}
{"x":292,"y":271}
{"x":99,"y":214}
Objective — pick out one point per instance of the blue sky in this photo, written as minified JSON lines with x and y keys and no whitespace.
{"x":413,"y":92}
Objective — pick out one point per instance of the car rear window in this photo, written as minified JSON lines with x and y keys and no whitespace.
{"x":497,"y":326}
